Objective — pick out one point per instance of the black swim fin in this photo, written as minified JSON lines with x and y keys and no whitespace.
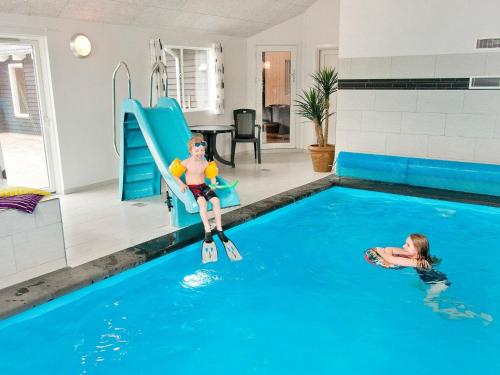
{"x":231,"y":250}
{"x":208,"y":249}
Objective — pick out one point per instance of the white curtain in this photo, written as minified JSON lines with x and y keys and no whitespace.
{"x":218,"y":63}
{"x":157,"y":54}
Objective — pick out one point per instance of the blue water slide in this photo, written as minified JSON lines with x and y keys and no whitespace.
{"x":151,"y":139}
{"x":441,"y":174}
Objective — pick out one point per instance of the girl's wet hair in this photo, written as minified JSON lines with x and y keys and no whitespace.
{"x":421,"y":243}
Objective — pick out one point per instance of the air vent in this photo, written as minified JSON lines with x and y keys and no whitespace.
{"x":488,"y":43}
{"x":484,"y":83}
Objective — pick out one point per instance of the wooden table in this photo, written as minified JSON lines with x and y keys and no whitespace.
{"x":210,"y":132}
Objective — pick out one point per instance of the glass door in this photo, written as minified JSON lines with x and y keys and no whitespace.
{"x":276,"y":95}
{"x":22,"y":139}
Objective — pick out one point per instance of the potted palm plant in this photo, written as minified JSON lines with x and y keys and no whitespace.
{"x":314,"y":105}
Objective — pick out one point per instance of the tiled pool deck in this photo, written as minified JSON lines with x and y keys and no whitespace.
{"x":36,"y":291}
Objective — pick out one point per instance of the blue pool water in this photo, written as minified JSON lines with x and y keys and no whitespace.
{"x":303,"y":301}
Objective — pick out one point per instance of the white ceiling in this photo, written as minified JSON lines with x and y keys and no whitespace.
{"x":241,"y":18}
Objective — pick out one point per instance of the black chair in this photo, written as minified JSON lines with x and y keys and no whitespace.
{"x":244,"y":131}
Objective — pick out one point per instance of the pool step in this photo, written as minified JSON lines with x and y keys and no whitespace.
{"x":139,"y":175}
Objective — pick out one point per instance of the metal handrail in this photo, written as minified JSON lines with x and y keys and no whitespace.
{"x":120,"y":64}
{"x":158,"y":66}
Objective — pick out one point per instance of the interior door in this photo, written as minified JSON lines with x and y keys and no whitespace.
{"x":276,"y":88}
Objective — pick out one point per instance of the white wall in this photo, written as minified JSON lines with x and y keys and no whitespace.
{"x":415,"y":27}
{"x":316,"y":27}
{"x":82,"y":87}
{"x":390,"y":39}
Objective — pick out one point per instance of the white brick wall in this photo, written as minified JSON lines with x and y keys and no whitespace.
{"x":7,"y":258}
{"x":439,"y":101}
{"x":405,"y":101}
{"x":469,"y":125}
{"x":31,"y":244}
{"x":413,"y":66}
{"x":371,"y":67}
{"x":488,"y":150}
{"x":424,"y":66}
{"x":423,"y":123}
{"x":481,"y":101}
{"x":461,"y":125}
{"x":407,"y":145}
{"x":361,"y":100}
{"x":460,"y":65}
{"x":450,"y":134}
{"x":387,"y":122}
{"x":451,"y":148}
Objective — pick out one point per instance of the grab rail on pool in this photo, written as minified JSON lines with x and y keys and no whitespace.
{"x":440,"y":174}
{"x":120,"y":64}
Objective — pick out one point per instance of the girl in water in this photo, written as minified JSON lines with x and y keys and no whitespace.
{"x":416,"y":253}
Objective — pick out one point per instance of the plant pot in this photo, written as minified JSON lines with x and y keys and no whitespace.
{"x":322,"y":157}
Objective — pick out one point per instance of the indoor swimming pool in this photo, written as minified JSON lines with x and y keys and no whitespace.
{"x":302,"y":301}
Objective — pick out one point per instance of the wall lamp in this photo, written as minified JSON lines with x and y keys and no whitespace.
{"x":80,"y":45}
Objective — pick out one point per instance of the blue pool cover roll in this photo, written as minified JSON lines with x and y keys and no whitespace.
{"x":440,"y":174}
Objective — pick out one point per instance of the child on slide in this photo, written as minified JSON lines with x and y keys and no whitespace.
{"x":197,"y":168}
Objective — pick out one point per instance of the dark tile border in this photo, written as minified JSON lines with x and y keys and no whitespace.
{"x":405,"y":84}
{"x":25,"y":295}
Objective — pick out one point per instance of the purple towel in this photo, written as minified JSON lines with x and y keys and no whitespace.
{"x":24,"y":202}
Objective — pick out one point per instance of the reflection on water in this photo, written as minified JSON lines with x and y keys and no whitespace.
{"x":446,"y":212}
{"x":198,"y":279}
{"x":458,"y":310}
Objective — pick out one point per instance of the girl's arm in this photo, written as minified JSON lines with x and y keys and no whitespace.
{"x":391,"y":250}
{"x":398,"y":261}
{"x":396,"y":251}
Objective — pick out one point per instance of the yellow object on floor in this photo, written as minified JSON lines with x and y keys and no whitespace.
{"x":13,"y":191}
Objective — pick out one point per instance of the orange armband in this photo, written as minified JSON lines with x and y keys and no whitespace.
{"x":176,"y":168}
{"x":211,"y":171}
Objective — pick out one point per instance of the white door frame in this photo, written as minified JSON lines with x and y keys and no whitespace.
{"x":293,"y":91}
{"x":46,"y":100}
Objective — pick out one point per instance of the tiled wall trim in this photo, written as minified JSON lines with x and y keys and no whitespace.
{"x":405,"y":84}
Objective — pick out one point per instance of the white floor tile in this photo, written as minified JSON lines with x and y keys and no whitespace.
{"x":96,"y":223}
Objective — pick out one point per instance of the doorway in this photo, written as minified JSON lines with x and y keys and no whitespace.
{"x":24,"y":140}
{"x":276,"y":89}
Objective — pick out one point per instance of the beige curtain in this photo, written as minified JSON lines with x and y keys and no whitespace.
{"x":218,"y":63}
{"x":157,"y":54}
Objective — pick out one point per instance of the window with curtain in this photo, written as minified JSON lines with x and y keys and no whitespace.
{"x":188,"y":76}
